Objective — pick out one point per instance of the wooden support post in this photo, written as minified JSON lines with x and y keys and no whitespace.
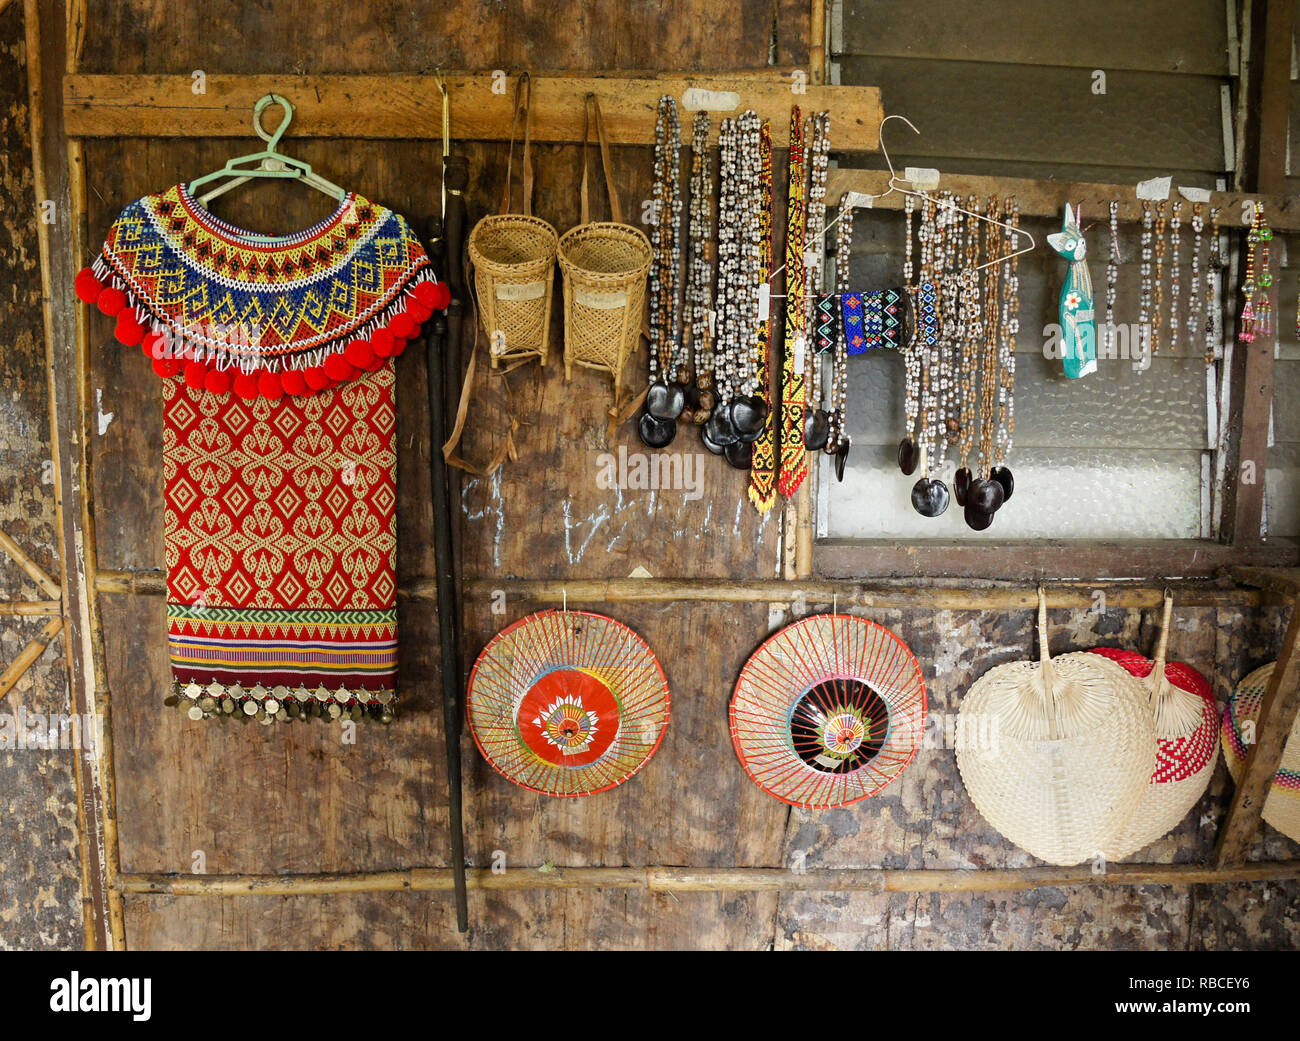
{"x":1267,"y":97}
{"x":1277,"y":714}
{"x":54,"y":31}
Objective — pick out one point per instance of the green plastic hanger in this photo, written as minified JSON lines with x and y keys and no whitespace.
{"x":269,"y":162}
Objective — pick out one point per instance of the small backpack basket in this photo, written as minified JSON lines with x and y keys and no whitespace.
{"x":514,"y":261}
{"x":604,"y":264}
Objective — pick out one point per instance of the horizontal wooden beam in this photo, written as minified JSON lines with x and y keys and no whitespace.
{"x":29,"y":608}
{"x":1049,"y":560}
{"x":705,"y":880}
{"x":1284,"y":581}
{"x":382,"y":106}
{"x":1043,"y":198}
{"x":845,"y":592}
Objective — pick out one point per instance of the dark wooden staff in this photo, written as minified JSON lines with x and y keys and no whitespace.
{"x":443,"y":354}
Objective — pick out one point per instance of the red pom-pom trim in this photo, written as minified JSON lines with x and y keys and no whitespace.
{"x":383,"y":342}
{"x":111,"y":301}
{"x":129,"y":331}
{"x":219,"y":381}
{"x":154,"y":345}
{"x":293,"y":382}
{"x":359,"y":353}
{"x":316,"y":378}
{"x":166,"y":367}
{"x":87,"y":286}
{"x":399,"y":346}
{"x":376,"y":365}
{"x":403,"y":325}
{"x":436,"y":295}
{"x":269,"y":386}
{"x":337,"y":367}
{"x":195,"y":374}
{"x":419,"y":311}
{"x":246,"y":385}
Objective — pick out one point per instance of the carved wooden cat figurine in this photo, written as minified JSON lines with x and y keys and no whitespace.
{"x":1078,"y":311}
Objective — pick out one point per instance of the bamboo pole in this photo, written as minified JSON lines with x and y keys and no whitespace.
{"x":705,"y":880}
{"x":29,"y":567}
{"x":32,"y":608}
{"x":898,"y":594}
{"x":29,"y":655}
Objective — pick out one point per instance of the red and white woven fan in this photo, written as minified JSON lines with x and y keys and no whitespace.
{"x":567,"y":703}
{"x":1187,"y":742}
{"x":828,"y":711}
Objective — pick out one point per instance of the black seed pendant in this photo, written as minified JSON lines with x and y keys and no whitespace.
{"x":665,"y":400}
{"x":748,"y":416}
{"x":656,"y":433}
{"x":841,"y":457}
{"x":1002,"y":475}
{"x":712,"y":446}
{"x":908,"y":457}
{"x":976,"y":519}
{"x":929,"y":497}
{"x":719,"y":429}
{"x":961,"y":485}
{"x":984,"y":495}
{"x":816,"y":429}
{"x":740,"y":454}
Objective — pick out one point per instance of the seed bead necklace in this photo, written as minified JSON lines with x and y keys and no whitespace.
{"x":666,"y":353}
{"x":818,"y":166}
{"x":699,"y":288}
{"x":1158,"y":313}
{"x":1112,"y":278}
{"x":1175,"y":272}
{"x":1010,"y":329}
{"x":840,"y":360}
{"x":1194,"y":300}
{"x":1213,"y":268}
{"x":1144,"y":307}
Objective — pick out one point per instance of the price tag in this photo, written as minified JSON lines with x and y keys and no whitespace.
{"x":764,"y":303}
{"x":713,"y":323}
{"x":800,"y":344}
{"x":524,"y":291}
{"x":857,"y":200}
{"x":923,"y":178}
{"x":1194,"y":194}
{"x":1155,"y":189}
{"x":697,"y":99}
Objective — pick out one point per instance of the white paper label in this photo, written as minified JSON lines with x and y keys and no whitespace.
{"x":1155,"y":189}
{"x":764,"y":303}
{"x":713,"y":323}
{"x":859,"y":200}
{"x":600,"y":301}
{"x":922,"y":177}
{"x":1195,"y":194}
{"x":697,"y":99}
{"x":799,"y":345}
{"x":523,"y":291}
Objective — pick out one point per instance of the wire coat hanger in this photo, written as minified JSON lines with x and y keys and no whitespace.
{"x":894,"y":180}
{"x":270,"y":162}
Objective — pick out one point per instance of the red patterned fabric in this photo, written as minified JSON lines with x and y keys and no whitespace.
{"x":281,"y":538}
{"x":1177,"y":758}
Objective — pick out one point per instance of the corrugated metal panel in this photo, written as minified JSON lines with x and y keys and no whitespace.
{"x":1049,"y":115}
{"x":1188,"y":36}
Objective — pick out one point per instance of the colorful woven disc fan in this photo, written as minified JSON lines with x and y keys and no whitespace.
{"x":1282,"y":806}
{"x":567,"y":703}
{"x":1187,"y":742}
{"x":828,"y":711}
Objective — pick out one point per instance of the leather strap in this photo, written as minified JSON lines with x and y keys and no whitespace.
{"x":522,"y":111}
{"x":592,"y":115}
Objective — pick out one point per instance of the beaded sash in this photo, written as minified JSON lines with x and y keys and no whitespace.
{"x":279,"y":456}
{"x":794,"y":457}
{"x":762,"y":470}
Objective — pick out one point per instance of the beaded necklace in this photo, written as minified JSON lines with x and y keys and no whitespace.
{"x":816,"y":420}
{"x":762,"y":478}
{"x":1194,"y":300}
{"x":840,"y":357}
{"x":1010,"y":329}
{"x":1157,"y":317}
{"x":1213,"y":267}
{"x":794,"y":462}
{"x":1257,"y":312}
{"x":1175,"y":272}
{"x":1144,"y":303}
{"x":666,"y":355}
{"x":699,"y":285}
{"x":1112,"y":277}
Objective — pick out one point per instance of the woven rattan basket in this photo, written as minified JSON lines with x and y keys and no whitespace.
{"x":604,"y":264}
{"x":1187,"y":742}
{"x":514,"y":261}
{"x":1282,"y":807}
{"x":1056,"y":753}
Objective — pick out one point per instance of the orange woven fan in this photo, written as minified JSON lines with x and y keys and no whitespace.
{"x":567,"y":703}
{"x":828,"y":711}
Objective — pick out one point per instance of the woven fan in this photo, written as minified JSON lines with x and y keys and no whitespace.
{"x":1187,"y":742}
{"x":567,"y":703}
{"x":828,"y":711}
{"x":1282,"y":807}
{"x":1056,"y":753}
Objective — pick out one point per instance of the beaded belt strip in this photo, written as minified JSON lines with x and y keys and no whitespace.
{"x":881,"y":318}
{"x":762,"y":471}
{"x":279,"y":453}
{"x":794,"y":458}
{"x":828,"y":321}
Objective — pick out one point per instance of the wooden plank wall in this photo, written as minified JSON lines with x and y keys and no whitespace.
{"x":296,"y":799}
{"x":40,"y":886}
